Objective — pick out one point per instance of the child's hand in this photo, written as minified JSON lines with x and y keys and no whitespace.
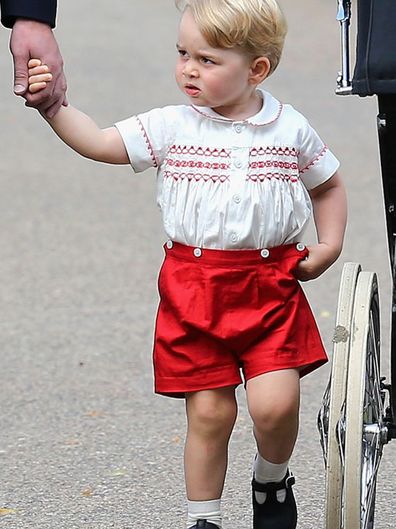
{"x":39,"y":75}
{"x":320,"y":257}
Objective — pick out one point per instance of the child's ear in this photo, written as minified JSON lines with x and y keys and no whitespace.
{"x":259,"y":70}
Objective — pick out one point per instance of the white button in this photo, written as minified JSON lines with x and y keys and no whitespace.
{"x":265,"y":253}
{"x":169,"y":244}
{"x":238,"y":128}
{"x":236,"y":199}
{"x":238,"y":163}
{"x":300,"y":246}
{"x":234,"y":237}
{"x":197,"y":252}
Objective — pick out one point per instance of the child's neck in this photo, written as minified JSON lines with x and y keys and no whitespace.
{"x":243,"y":110}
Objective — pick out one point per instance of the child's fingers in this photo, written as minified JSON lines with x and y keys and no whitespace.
{"x":33,"y":63}
{"x":36,"y":87}
{"x":39,"y":70}
{"x":43,"y":78}
{"x":39,"y":76}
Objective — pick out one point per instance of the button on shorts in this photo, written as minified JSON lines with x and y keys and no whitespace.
{"x":228,"y":313}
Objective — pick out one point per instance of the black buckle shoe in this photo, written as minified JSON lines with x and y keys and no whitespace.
{"x":273,"y":514}
{"x":203,"y":524}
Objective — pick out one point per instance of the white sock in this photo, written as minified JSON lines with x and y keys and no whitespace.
{"x":204,"y":510}
{"x":267,"y":472}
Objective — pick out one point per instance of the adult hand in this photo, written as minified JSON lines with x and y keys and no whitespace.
{"x":32,"y":39}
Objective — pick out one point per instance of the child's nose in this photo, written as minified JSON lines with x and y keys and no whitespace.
{"x":190,"y":69}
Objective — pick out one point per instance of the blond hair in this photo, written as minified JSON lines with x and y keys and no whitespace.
{"x":257,"y":27}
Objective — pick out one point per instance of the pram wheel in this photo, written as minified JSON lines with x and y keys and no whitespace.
{"x":331,"y":420}
{"x":352,"y":419}
{"x":365,"y":432}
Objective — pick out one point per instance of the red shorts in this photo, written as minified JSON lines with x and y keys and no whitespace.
{"x":225,"y":310}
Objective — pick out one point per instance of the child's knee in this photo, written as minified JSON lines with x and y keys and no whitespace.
{"x":274,"y":416}
{"x":274,"y":400}
{"x":212,"y":413}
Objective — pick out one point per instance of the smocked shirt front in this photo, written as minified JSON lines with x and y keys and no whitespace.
{"x":230,"y":184}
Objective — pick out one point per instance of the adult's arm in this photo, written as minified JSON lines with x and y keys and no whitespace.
{"x":39,"y":10}
{"x":31,"y":37}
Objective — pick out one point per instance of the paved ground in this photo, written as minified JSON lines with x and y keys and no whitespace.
{"x":83,"y":441}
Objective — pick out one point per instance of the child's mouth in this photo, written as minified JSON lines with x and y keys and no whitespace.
{"x":191,"y":90}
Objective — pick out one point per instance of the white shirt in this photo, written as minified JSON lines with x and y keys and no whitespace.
{"x":230,"y":184}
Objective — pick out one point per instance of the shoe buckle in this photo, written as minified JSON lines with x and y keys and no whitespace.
{"x":290,"y":481}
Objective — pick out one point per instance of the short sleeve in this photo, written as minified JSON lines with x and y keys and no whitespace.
{"x":316,"y":163}
{"x":147,"y":137}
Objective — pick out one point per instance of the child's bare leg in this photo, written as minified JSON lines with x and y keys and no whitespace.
{"x":274,"y":402}
{"x":211,"y":417}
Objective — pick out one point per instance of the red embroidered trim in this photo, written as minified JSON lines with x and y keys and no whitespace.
{"x":200,"y":165}
{"x":279,"y":151}
{"x":274,"y":163}
{"x":200,"y":151}
{"x":260,"y":177}
{"x":322,"y":152}
{"x":195,"y":176}
{"x":148,"y":142}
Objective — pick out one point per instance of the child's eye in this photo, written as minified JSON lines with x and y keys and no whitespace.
{"x":206,"y":60}
{"x":182,"y":53}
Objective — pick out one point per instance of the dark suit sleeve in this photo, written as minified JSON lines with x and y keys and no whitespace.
{"x":41,"y":10}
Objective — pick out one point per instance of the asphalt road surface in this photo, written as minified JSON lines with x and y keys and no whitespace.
{"x":84,"y":443}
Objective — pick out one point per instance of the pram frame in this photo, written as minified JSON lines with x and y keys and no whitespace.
{"x":358,"y":412}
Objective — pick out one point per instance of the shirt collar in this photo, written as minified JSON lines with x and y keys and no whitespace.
{"x":269,"y":112}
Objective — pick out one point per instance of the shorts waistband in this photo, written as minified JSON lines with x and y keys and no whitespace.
{"x":228,"y":257}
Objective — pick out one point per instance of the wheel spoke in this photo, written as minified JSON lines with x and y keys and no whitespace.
{"x":365,"y":433}
{"x":373,"y":426}
{"x":341,"y":427}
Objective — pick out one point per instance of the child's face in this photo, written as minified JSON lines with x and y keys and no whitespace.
{"x":214,"y":77}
